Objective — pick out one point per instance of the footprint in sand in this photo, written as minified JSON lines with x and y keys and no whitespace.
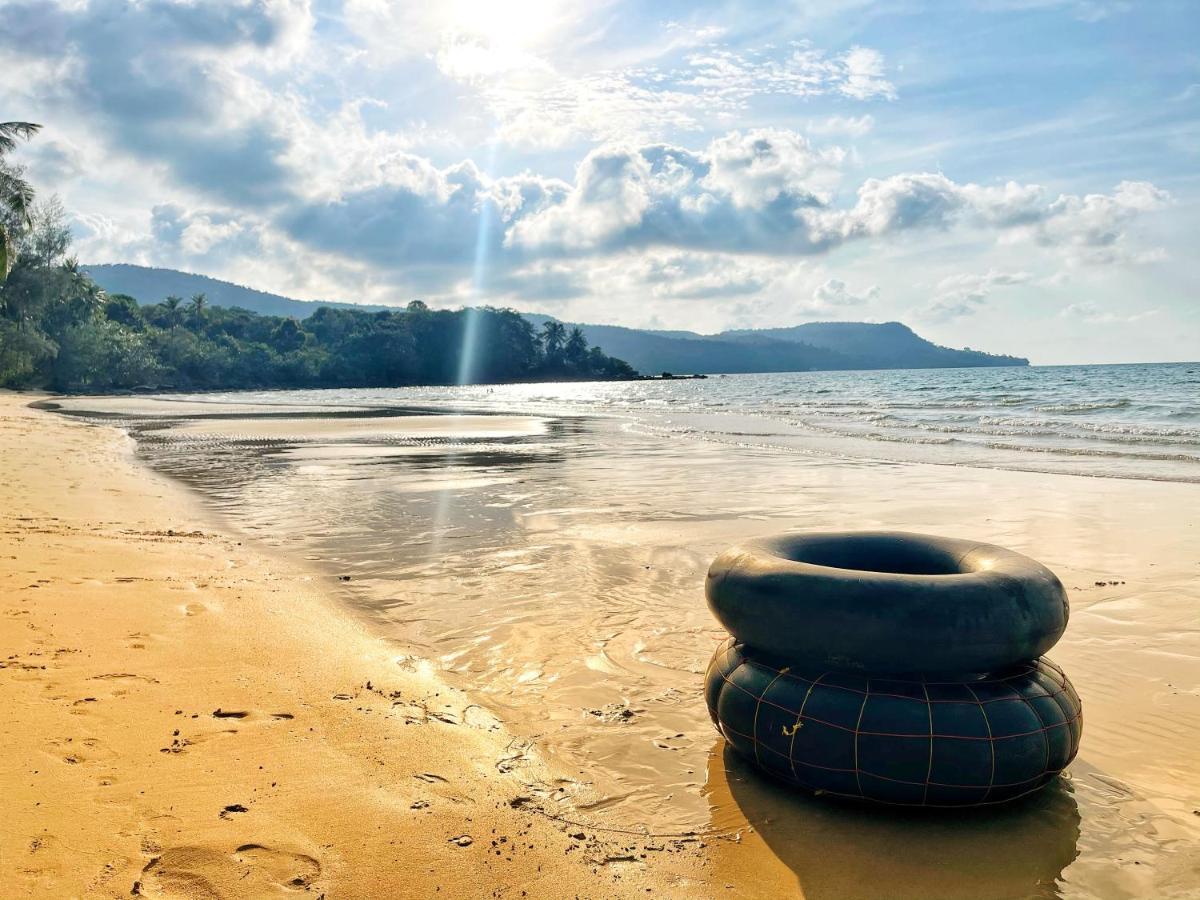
{"x":137,"y":640}
{"x":82,"y":706}
{"x":75,"y":752}
{"x":123,"y":676}
{"x":431,"y":778}
{"x":194,"y":609}
{"x":220,"y":713}
{"x":197,"y":733}
{"x":251,"y":870}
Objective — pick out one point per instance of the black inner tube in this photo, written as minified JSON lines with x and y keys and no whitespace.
{"x":883,"y":554}
{"x":887,"y":602}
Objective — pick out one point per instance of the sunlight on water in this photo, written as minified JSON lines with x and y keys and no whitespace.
{"x":1128,"y":421}
{"x":469,"y":353}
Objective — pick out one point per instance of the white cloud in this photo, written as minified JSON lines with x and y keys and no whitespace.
{"x":607,"y":106}
{"x":698,"y":276}
{"x":193,"y":234}
{"x":398,"y":31}
{"x":901,"y":202}
{"x":833,"y":294}
{"x":964,"y":294}
{"x":202,"y":234}
{"x":537,"y":105}
{"x":756,"y":168}
{"x":768,"y":191}
{"x":864,"y":75}
{"x":98,"y":238}
{"x":1089,"y":312}
{"x":1092,"y":229}
{"x":745,"y":193}
{"x":850,"y":126}
{"x":801,"y":71}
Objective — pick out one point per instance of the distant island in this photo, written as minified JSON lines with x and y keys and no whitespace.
{"x":809,"y":347}
{"x":802,"y":348}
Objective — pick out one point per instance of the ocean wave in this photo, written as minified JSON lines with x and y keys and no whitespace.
{"x":975,"y":424}
{"x":1098,"y":452}
{"x":1084,"y":406}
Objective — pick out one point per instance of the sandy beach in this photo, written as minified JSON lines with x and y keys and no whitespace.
{"x":396,"y":640}
{"x":188,"y":718}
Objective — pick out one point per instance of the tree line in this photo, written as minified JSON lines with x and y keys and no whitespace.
{"x":59,"y":330}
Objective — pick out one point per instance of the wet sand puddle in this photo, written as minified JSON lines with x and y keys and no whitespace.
{"x":554,"y":568}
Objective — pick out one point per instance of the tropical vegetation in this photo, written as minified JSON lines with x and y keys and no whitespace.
{"x":16,"y":194}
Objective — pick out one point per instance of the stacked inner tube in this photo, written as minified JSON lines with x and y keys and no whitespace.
{"x":893,"y":668}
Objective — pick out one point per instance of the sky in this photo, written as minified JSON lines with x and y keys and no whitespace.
{"x":1016,"y":176}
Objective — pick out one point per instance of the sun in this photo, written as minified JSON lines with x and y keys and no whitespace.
{"x":503,"y":27}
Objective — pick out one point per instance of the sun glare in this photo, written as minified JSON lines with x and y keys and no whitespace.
{"x":503,"y":26}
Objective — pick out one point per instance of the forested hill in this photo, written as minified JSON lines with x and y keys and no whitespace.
{"x":60,"y":329}
{"x":890,"y":345}
{"x":813,"y":346}
{"x":150,"y":285}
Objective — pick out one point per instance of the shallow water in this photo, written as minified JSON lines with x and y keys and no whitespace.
{"x":553,"y":566}
{"x":1123,"y":421}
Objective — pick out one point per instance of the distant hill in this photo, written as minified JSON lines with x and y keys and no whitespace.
{"x":149,"y":285}
{"x":659,"y":351}
{"x":890,"y":345}
{"x":813,"y":346}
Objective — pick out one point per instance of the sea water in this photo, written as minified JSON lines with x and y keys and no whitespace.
{"x":1121,"y":421}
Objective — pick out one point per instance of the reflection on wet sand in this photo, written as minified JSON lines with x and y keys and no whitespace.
{"x":839,"y":850}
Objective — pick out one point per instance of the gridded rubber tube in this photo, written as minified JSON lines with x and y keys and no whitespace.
{"x":913,"y":742}
{"x":888,"y":602}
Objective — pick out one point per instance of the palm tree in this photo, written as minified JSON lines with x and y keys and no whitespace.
{"x":554,"y":334}
{"x":171,"y":304}
{"x":199,"y":301}
{"x":90,"y":294}
{"x":576,"y":348}
{"x":16,"y":194}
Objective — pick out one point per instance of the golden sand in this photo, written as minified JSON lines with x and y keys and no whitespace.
{"x":186,"y":718}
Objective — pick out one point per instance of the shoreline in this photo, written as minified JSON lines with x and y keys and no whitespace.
{"x":1135,"y":429}
{"x":189,"y":714}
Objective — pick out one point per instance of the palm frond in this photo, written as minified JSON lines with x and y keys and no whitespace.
{"x":6,"y":254}
{"x":17,"y":194}
{"x":10,"y":131}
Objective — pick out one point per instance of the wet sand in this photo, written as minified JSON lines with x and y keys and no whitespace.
{"x":188,"y":717}
{"x":554,"y":572}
